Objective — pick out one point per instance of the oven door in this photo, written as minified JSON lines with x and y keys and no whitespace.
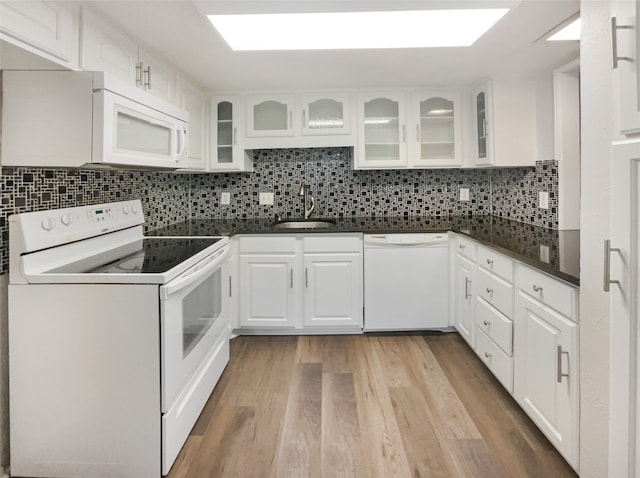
{"x":194,"y":320}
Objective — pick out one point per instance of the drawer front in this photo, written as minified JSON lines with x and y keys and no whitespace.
{"x":330,"y":243}
{"x":548,"y":290}
{"x":267,"y":244}
{"x":495,"y":262}
{"x":500,"y":364}
{"x":495,"y":291}
{"x":498,"y":327}
{"x":466,"y":248}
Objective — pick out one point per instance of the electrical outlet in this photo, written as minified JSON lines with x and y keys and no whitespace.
{"x":544,"y":254}
{"x":225,"y":198}
{"x":464,"y":194}
{"x":543,"y":200}
{"x":266,"y":199}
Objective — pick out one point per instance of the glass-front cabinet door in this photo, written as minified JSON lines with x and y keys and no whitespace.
{"x":325,"y":114}
{"x":437,"y":140}
{"x":381,"y":131}
{"x":227,"y":152}
{"x":270,"y":115}
{"x":482,"y":119}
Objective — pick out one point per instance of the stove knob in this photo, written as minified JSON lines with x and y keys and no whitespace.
{"x":48,"y":223}
{"x":67,"y":219}
{"x":125,"y":209}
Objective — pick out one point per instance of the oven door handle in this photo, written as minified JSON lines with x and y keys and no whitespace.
{"x":200,"y":271}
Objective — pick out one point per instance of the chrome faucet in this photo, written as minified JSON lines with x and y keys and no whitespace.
{"x":306,"y":199}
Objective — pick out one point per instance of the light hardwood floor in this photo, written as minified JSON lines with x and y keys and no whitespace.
{"x":362,"y":406}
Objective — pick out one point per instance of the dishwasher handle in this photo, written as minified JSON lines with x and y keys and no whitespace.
{"x":421,"y":240}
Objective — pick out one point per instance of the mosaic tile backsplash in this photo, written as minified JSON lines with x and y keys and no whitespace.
{"x":338,"y":190}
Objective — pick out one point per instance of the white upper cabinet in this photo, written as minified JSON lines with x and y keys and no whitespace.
{"x":105,"y":48}
{"x":270,"y":115}
{"x":436,"y":129}
{"x":381,"y":131}
{"x":504,"y":124}
{"x":48,"y":29}
{"x":625,"y":27}
{"x":324,"y":114}
{"x":195,"y":101}
{"x":227,"y":133}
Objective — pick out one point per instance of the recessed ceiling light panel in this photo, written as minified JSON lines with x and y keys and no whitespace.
{"x":569,"y":32}
{"x":355,"y":30}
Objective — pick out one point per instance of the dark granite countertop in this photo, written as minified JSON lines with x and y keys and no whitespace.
{"x":523,"y":242}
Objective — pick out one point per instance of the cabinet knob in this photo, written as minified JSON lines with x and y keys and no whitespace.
{"x":489,"y":291}
{"x":486,"y":323}
{"x":537,"y":288}
{"x":490,"y":262}
{"x":487,"y":355}
{"x":461,"y":247}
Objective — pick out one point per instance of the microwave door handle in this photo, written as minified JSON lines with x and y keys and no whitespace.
{"x":193,"y":275}
{"x":182,"y":143}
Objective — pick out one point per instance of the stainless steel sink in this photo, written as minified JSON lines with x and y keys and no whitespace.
{"x":304,"y":224}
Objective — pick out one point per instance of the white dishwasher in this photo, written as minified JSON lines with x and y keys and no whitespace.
{"x":405,"y":281}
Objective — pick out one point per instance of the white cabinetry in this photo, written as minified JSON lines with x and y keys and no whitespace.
{"x":392,"y":133}
{"x":297,"y":120}
{"x":227,"y":134}
{"x":301,"y":281}
{"x":625,"y":61}
{"x":333,"y":281}
{"x":48,"y":29}
{"x":464,"y":288}
{"x":269,"y":281}
{"x":195,"y":101}
{"x":382,"y":131}
{"x":546,"y":358}
{"x":504,"y":124}
{"x":436,"y":138}
{"x":105,"y":48}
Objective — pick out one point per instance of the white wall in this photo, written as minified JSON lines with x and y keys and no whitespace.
{"x":597,"y":131}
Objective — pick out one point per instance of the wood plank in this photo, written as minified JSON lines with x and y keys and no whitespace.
{"x":424,"y":449}
{"x":299,"y":450}
{"x":384,"y":453}
{"x":188,"y":455}
{"x":472,"y":458}
{"x":342,"y":453}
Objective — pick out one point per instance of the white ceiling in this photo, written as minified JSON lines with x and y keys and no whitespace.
{"x":180,"y":32}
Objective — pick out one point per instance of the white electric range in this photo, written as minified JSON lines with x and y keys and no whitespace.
{"x":116,"y":340}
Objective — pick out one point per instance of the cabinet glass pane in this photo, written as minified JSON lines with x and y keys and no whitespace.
{"x":437,"y":138}
{"x":138,"y":135}
{"x":270,"y":116}
{"x":325,"y":114}
{"x":381,"y":129}
{"x":225,"y":132}
{"x":481,"y":113}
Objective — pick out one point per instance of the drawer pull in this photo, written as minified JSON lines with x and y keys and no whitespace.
{"x":607,"y":265}
{"x":487,"y":355}
{"x":559,"y":366}
{"x":467,"y":293}
{"x":486,"y":323}
{"x":490,"y":291}
{"x":461,"y":247}
{"x":537,"y":288}
{"x":490,"y":262}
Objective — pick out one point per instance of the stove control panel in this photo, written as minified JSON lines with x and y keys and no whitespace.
{"x":42,"y":229}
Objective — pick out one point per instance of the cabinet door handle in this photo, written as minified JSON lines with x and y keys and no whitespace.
{"x":490,"y":262}
{"x":147,"y":83}
{"x":304,"y":118}
{"x":484,"y":128}
{"x":306,"y":277}
{"x":487,"y":355}
{"x":614,"y":42}
{"x":291,"y":277}
{"x":235,"y":136}
{"x":139,"y":73}
{"x":290,"y":119}
{"x":486,"y":323}
{"x":606,"y":280}
{"x":461,"y":247}
{"x":230,"y":290}
{"x":404,"y":133}
{"x":489,"y":291}
{"x":418,"y":133}
{"x":560,"y":352}
{"x":537,"y":288}
{"x":467,"y":293}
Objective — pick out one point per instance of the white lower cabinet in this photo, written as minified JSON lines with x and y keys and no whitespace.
{"x":301,"y":281}
{"x":546,"y":364}
{"x":463,"y":298}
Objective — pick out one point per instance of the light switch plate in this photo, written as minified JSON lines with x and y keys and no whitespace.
{"x":543,"y":200}
{"x":225,"y":198}
{"x":544,"y":254}
{"x":464,"y":194}
{"x":266,"y":199}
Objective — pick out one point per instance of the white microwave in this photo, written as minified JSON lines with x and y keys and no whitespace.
{"x":80,"y":119}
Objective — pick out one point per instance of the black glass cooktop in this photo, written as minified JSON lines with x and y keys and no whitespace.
{"x":147,"y":256}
